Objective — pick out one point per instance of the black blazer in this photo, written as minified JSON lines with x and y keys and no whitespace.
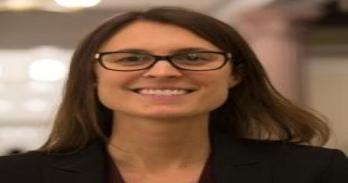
{"x":234,"y":161}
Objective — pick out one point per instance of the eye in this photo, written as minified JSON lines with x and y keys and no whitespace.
{"x":195,"y":56}
{"x":130,"y":58}
{"x":127,"y":58}
{"x":192,"y":57}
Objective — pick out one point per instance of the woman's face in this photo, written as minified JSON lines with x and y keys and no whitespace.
{"x":138,"y":93}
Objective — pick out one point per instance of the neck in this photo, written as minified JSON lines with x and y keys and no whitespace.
{"x":159,"y":144}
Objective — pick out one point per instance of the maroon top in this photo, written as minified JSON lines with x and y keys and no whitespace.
{"x":114,"y":175}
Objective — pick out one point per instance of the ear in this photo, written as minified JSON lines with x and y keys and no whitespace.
{"x":233,"y":80}
{"x":95,"y":74}
{"x":236,"y":75}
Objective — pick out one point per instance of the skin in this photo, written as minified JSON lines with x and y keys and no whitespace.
{"x":160,"y":139}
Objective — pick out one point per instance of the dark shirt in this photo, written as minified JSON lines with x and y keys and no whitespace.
{"x":114,"y":175}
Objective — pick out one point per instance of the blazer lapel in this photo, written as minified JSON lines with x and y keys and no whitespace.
{"x":87,"y":166}
{"x":235,"y":163}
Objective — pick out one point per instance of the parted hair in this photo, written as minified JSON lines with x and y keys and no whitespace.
{"x":254,"y":108}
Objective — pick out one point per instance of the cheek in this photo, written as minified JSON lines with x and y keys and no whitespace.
{"x":110,"y":88}
{"x":219,"y":93}
{"x":106,"y":93}
{"x":216,"y":91}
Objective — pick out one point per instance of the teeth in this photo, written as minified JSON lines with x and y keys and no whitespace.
{"x":166,"y":92}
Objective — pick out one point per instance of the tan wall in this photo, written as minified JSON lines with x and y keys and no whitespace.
{"x":326,"y":90}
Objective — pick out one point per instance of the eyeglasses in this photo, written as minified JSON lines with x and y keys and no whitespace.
{"x":191,"y":61}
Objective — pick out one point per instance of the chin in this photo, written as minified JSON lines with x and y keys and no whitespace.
{"x":170,"y":115}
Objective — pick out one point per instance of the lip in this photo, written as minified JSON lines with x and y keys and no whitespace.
{"x":189,"y":89}
{"x":164,"y":98}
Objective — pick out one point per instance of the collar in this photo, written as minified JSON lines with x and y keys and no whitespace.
{"x":233,"y":161}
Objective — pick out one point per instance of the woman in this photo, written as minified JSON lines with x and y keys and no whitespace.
{"x":170,"y":95}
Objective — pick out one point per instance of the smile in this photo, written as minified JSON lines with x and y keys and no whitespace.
{"x":163,"y":92}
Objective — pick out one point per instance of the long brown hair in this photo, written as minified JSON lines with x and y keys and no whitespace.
{"x":254,"y":108}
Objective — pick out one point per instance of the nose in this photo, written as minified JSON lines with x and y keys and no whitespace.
{"x":163,"y":69}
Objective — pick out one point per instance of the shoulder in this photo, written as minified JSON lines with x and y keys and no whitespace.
{"x":37,"y":166}
{"x":328,"y":164}
{"x":292,"y":150}
{"x":20,"y":160}
{"x":23,"y":166}
{"x":268,"y":149}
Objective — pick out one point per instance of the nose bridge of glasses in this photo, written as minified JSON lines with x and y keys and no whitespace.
{"x":165,"y":58}
{"x":162,"y":58}
{"x":164,"y":68}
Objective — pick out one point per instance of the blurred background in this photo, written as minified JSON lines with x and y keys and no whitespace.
{"x":303,"y":44}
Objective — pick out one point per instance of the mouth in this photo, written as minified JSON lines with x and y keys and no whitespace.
{"x":163,"y":91}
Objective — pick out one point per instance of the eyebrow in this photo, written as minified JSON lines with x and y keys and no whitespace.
{"x":180,"y":50}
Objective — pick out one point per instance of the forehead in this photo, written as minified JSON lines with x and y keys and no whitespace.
{"x":155,"y":36}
